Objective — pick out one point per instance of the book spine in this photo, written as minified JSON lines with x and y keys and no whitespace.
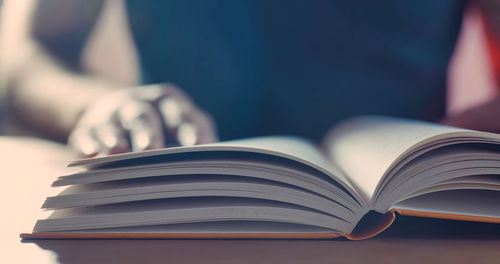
{"x":371,"y":224}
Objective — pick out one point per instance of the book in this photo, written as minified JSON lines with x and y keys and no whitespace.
{"x":367,"y":170}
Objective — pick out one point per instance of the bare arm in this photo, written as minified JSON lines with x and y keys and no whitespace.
{"x":48,"y":90}
{"x":485,"y":116}
{"x":40,"y":52}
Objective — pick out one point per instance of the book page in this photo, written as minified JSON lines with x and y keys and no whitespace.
{"x":292,"y":148}
{"x":203,"y":187}
{"x":186,"y":210}
{"x":295,"y":147}
{"x":366,"y":147}
{"x":215,"y":227}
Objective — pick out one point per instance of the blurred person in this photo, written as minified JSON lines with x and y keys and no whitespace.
{"x":247,"y":68}
{"x":47,"y":90}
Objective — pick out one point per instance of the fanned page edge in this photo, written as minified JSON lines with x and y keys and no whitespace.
{"x":385,"y":222}
{"x":402,"y":147}
{"x":238,"y":146}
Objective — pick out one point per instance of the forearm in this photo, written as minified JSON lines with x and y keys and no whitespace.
{"x":45,"y":96}
{"x":39,"y":90}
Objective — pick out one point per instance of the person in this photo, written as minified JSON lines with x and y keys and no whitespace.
{"x":225,"y":69}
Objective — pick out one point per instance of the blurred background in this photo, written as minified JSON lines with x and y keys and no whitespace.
{"x":471,"y":80}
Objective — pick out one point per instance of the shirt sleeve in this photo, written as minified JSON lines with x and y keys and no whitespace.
{"x":490,"y":13}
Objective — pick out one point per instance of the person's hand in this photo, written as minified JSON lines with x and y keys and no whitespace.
{"x":485,"y":117}
{"x":140,"y":118}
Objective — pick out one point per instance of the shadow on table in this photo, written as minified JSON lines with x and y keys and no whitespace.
{"x":410,"y":239}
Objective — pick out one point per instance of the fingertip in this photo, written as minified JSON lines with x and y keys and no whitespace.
{"x":140,"y":140}
{"x":83,"y":144}
{"x":85,"y":148}
{"x":113,"y":139}
{"x":200,"y":124}
{"x":187,"y":134}
{"x":171,"y":111}
{"x":146,"y":138}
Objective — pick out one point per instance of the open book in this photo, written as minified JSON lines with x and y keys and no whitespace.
{"x":367,"y":169}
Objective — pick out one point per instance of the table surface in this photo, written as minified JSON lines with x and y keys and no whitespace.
{"x":29,"y":166}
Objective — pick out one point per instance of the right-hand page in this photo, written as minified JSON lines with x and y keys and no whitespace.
{"x":366,"y":147}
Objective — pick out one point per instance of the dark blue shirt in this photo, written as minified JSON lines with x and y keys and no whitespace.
{"x":265,"y":67}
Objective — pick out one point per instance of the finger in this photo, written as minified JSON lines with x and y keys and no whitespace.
{"x":187,"y":134}
{"x":84,"y":143}
{"x":143,"y":125}
{"x":145,"y":136}
{"x":172,"y":109}
{"x":189,"y":124}
{"x":112,"y":139}
{"x":197,"y":128}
